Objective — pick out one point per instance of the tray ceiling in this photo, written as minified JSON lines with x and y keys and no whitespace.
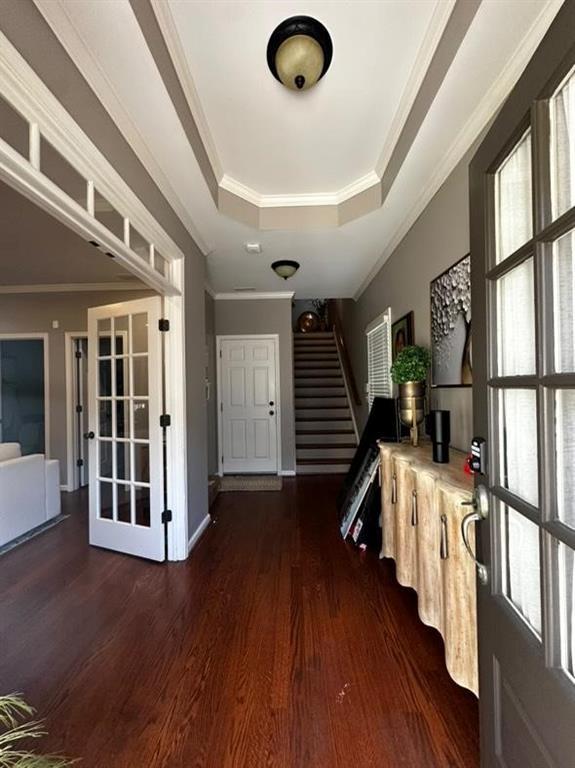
{"x":334,"y":176}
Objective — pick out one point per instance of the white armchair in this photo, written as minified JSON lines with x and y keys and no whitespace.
{"x":29,"y":491}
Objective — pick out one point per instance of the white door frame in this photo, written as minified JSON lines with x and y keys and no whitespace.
{"x":45,"y":338}
{"x":249,"y":337}
{"x":71,"y":480}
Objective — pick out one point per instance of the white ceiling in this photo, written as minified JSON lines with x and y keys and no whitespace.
{"x":280,"y":142}
{"x":267,"y":137}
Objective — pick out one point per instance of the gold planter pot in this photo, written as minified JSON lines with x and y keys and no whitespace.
{"x":412,"y":406}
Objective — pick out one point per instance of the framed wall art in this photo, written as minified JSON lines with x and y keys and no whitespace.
{"x":450,"y":299}
{"x":402,"y":334}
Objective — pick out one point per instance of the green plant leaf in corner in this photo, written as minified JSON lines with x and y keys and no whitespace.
{"x":17,"y":727}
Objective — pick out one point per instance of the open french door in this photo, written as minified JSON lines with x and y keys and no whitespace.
{"x":523,"y":281}
{"x":125,"y":436}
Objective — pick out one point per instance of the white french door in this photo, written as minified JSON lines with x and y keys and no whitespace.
{"x":248,"y":389}
{"x":125,"y":437}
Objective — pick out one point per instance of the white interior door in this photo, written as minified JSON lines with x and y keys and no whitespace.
{"x":126,"y":439}
{"x":248,"y":404}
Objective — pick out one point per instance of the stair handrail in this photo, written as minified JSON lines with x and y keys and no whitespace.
{"x":337,"y":328}
{"x":344,"y":362}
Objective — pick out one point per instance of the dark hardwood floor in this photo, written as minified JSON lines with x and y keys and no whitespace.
{"x":275,"y":644}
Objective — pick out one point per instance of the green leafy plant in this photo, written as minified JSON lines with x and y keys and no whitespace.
{"x":411,"y":364}
{"x":17,"y":728}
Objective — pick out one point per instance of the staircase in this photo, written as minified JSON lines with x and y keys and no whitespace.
{"x":325,"y":437}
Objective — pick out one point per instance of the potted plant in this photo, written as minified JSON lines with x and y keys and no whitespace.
{"x":409,"y":372}
{"x":320,"y":306}
{"x":15,"y":731}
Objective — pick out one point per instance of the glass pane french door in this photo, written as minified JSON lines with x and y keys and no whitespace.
{"x":126,"y":439}
{"x":523,"y":279}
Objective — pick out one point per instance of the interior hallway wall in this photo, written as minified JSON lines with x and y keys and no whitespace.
{"x":438,"y":239}
{"x":34,"y":313}
{"x":211,"y":368}
{"x":259,"y":316}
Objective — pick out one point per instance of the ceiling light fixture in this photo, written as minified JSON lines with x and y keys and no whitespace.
{"x":253,"y":247}
{"x":299,"y":52}
{"x":285,"y":268}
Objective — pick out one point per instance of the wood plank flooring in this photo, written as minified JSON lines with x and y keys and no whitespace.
{"x":274,"y":645}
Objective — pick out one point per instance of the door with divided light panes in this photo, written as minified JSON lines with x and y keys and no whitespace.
{"x":125,"y":436}
{"x":523,"y":280}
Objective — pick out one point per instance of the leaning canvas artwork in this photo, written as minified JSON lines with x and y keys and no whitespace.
{"x":451,"y":364}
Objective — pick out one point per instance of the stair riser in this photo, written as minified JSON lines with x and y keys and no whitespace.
{"x":315,"y":438}
{"x":323,"y":413}
{"x":317,"y":365}
{"x":325,"y":453}
{"x":319,"y":391}
{"x":322,"y":426}
{"x":323,"y":381}
{"x":313,"y":336}
{"x":320,"y":402}
{"x":310,"y":349}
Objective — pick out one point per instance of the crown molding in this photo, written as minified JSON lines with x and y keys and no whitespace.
{"x":57,"y":16}
{"x":124,"y":285}
{"x":309,"y":200}
{"x":255,"y":295}
{"x":439,"y":20}
{"x":478,"y":121}
{"x":173,"y":42}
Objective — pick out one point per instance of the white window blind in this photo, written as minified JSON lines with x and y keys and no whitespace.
{"x":379,"y":357}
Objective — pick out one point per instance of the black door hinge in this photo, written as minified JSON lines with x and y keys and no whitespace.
{"x":79,"y":409}
{"x":163,"y":324}
{"x":165,"y":420}
{"x":167,"y":516}
{"x":80,"y":462}
{"x":78,"y":354}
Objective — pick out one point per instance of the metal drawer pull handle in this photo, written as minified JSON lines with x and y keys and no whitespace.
{"x":394,"y":489}
{"x":481,"y":504}
{"x":443,"y":543}
{"x":414,"y":507}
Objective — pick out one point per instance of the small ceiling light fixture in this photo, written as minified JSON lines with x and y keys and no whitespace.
{"x":299,"y":52}
{"x":285,"y":268}
{"x":253,"y":247}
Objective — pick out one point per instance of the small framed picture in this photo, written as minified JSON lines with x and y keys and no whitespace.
{"x":402,"y":334}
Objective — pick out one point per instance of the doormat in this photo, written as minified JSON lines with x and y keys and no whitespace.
{"x":32,"y":534}
{"x":250,"y":483}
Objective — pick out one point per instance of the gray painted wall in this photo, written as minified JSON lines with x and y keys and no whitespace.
{"x":267,"y":316}
{"x":438,"y":238}
{"x":34,"y":313}
{"x":211,"y":369}
{"x":196,"y":391}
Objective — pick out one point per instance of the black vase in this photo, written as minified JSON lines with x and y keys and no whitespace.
{"x":440,"y":429}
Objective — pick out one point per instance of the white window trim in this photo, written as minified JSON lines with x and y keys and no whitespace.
{"x":384,"y":319}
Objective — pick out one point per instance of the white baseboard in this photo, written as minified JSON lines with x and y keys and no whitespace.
{"x":198,"y":532}
{"x":66,"y":488}
{"x":287,"y":472}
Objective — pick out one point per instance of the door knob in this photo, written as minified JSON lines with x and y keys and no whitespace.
{"x":271,"y":402}
{"x":89,"y":435}
{"x":480,"y":503}
{"x":272,"y":413}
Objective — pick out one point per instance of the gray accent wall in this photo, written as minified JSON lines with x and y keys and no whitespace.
{"x":439,"y":237}
{"x":34,"y":313}
{"x":259,"y":316}
{"x":195,"y":371}
{"x":211,"y":372}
